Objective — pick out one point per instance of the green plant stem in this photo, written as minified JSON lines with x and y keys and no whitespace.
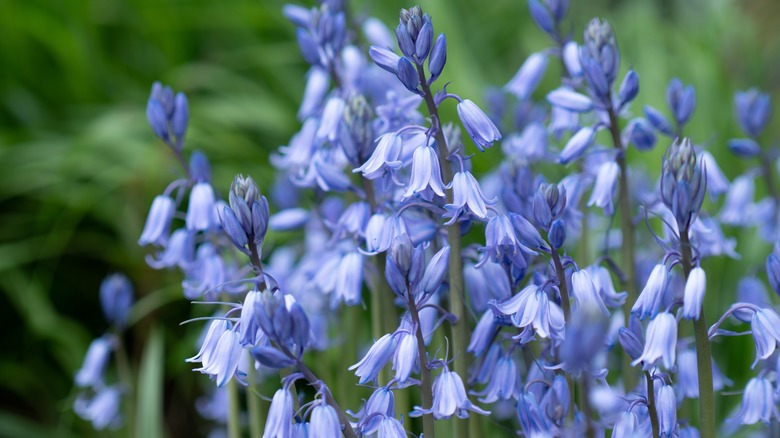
{"x":460,"y":332}
{"x":651,"y":404}
{"x":703,"y":353}
{"x":628,"y":244}
{"x":585,"y":406}
{"x":126,"y":377}
{"x":566,"y":305}
{"x":234,"y":424}
{"x":253,"y":403}
{"x":426,"y":384}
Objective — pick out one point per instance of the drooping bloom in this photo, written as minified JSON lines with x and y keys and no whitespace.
{"x":279,"y":422}
{"x":324,"y":422}
{"x":224,"y":359}
{"x":201,"y":213}
{"x":375,"y":359}
{"x":467,"y":197}
{"x":758,"y":403}
{"x":478,"y":125}
{"x":528,"y":77}
{"x":666,"y":407}
{"x":91,"y":372}
{"x":661,"y":342}
{"x":158,"y":222}
{"x":765,"y":326}
{"x":102,"y":409}
{"x":449,"y":397}
{"x":652,"y":296}
{"x":386,"y":158}
{"x":116,"y":298}
{"x":426,"y":174}
{"x":695,"y":288}
{"x":501,"y":385}
{"x":753,"y":109}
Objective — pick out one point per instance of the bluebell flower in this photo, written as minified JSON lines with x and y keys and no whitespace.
{"x":569,"y":99}
{"x":717,"y":183}
{"x":485,"y":283}
{"x":584,"y":291}
{"x":744,"y":147}
{"x":628,"y":90}
{"x":278,"y":423}
{"x":571,"y":58}
{"x":391,"y":428}
{"x":626,"y":425}
{"x":562,"y":120}
{"x":557,"y":400}
{"x":482,"y":336}
{"x":604,"y":188}
{"x":180,"y":251}
{"x":631,"y":343}
{"x":765,"y":326}
{"x":600,"y":58}
{"x":385,"y":158}
{"x":467,"y":197}
{"x":158,"y":119}
{"x":557,"y":234}
{"x":116,"y":298}
{"x":501,"y":385}
{"x":661,"y":342}
{"x":542,"y":16}
{"x":378,"y":355}
{"x":407,"y":74}
{"x":201,"y":213}
{"x":577,"y":144}
{"x":210,"y":341}
{"x":91,"y":372}
{"x":324,"y":422}
{"x":378,"y":406}
{"x":666,"y":407}
{"x":317,"y":85}
{"x":750,"y":290}
{"x":652,"y":296}
{"x":753,"y":109}
{"x":639,"y":132}
{"x":102,"y":409}
{"x":349,"y":279}
{"x":528,"y":76}
{"x":530,"y":145}
{"x":449,"y":397}
{"x":438,"y":57}
{"x":478,"y":125}
{"x":603,"y":281}
{"x":738,"y":200}
{"x":384,"y":57}
{"x":683,"y":184}
{"x":659,"y":121}
{"x":406,"y":356}
{"x":332,"y":117}
{"x":502,"y":244}
{"x":533,"y":422}
{"x":532,"y":308}
{"x":695,"y":287}
{"x":426,"y":174}
{"x":289,"y":219}
{"x":206,"y":275}
{"x":681,"y":100}
{"x":758,"y":403}
{"x":224,"y":359}
{"x":549,"y":204}
{"x":158,"y":222}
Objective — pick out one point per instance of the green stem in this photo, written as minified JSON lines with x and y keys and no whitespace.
{"x":703,"y":353}
{"x":460,"y":336}
{"x":651,"y":404}
{"x":627,"y":247}
{"x":590,"y":432}
{"x":426,"y":385}
{"x":312,"y":378}
{"x":253,"y":403}
{"x":234,"y":424}
{"x":126,"y":377}
{"x":566,"y":305}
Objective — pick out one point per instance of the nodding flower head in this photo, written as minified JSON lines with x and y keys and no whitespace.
{"x":358,"y":118}
{"x":683,"y":183}
{"x":449,"y":397}
{"x":758,"y":403}
{"x":116,"y":297}
{"x":661,"y":342}
{"x":681,"y":100}
{"x":549,"y":203}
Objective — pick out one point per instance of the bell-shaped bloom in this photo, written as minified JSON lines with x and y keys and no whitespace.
{"x":102,"y":409}
{"x":758,"y":403}
{"x":383,"y":57}
{"x":180,"y":251}
{"x":652,"y":297}
{"x":681,"y":100}
{"x":503,"y":243}
{"x":666,"y":408}
{"x":467,"y":197}
{"x":91,"y":372}
{"x":201,"y":213}
{"x":501,"y":385}
{"x":695,"y":287}
{"x":116,"y":298}
{"x":577,"y":144}
{"x":379,"y":405}
{"x":317,"y":84}
{"x":483,"y":333}
{"x":332,"y":116}
{"x":406,"y":356}
{"x":391,"y":428}
{"x":210,"y":341}
{"x":449,"y":397}
{"x":158,"y":222}
{"x":626,"y":425}
{"x":532,"y":420}
{"x":279,"y":421}
{"x":659,"y":121}
{"x":528,"y":77}
{"x":717,"y":183}
{"x":584,"y":292}
{"x":438,"y":57}
{"x":531,"y":308}
{"x":639,"y":133}
{"x":602,"y":279}
{"x":753,"y":109}
{"x":426,"y":174}
{"x":386,"y":157}
{"x":375,"y":359}
{"x":478,"y":125}
{"x":688,"y":375}
{"x":738,"y":200}
{"x":566,"y":98}
{"x":631,"y":343}
{"x":765,"y":326}
{"x":604,"y":189}
{"x":661,"y":342}
{"x":324,"y":422}
{"x":224,"y":359}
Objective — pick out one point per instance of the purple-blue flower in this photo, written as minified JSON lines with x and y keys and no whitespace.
{"x":753,"y":110}
{"x":478,"y":125}
{"x":528,"y":77}
{"x":765,"y":326}
{"x":158,"y":222}
{"x":758,"y":403}
{"x":426,"y":174}
{"x":661,"y":342}
{"x":467,"y":197}
{"x":449,"y":397}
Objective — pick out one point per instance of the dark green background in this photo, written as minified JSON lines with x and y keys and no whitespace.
{"x":79,"y":165}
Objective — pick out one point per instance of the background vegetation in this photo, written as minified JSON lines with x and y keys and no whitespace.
{"x":79,"y":165}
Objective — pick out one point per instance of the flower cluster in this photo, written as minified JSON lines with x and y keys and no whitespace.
{"x":527,"y":323}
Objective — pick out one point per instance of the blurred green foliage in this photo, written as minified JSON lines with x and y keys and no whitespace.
{"x":79,"y":165}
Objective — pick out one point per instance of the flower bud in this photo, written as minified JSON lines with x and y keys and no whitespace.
{"x":557,"y":234}
{"x":682,"y":183}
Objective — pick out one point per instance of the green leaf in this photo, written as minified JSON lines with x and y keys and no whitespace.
{"x":149,"y":399}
